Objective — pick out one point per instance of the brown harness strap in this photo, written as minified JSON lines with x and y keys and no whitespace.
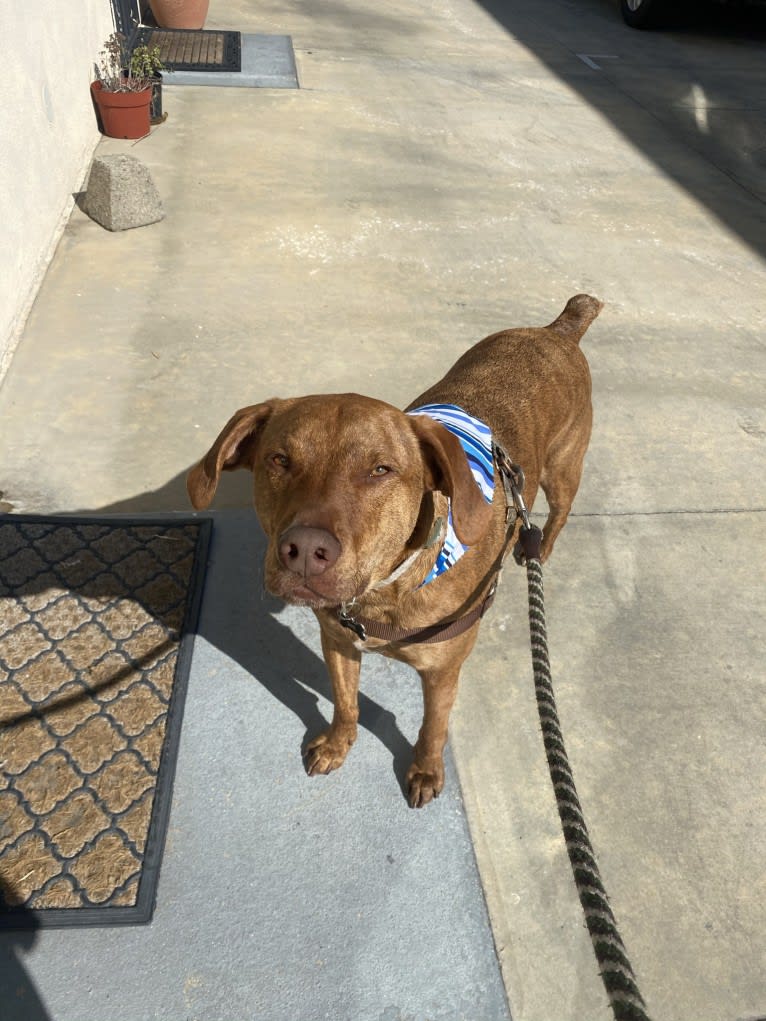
{"x":424,"y":635}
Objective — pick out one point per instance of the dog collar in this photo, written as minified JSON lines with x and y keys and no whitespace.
{"x":513,"y":482}
{"x":475,"y":438}
{"x":437,"y":530}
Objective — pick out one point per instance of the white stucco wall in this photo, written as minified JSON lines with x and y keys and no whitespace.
{"x":47,"y":136}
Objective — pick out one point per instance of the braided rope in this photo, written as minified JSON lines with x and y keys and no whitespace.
{"x":616,"y":971}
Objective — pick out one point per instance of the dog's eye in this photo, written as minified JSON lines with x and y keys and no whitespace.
{"x":280,"y":460}
{"x":381,"y":469}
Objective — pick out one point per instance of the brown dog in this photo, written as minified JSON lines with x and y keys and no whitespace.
{"x":359,"y":501}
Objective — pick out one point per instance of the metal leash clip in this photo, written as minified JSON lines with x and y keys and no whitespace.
{"x":348,"y":621}
{"x":513,"y":483}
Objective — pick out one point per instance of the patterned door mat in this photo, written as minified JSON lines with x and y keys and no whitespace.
{"x":97,"y":619}
{"x":185,"y":49}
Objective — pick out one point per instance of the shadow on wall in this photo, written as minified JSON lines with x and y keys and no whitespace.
{"x":699,"y":85}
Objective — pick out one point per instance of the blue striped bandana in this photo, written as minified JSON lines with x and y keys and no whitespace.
{"x":476,"y":440}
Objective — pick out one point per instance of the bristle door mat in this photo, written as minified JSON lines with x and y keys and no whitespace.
{"x":97,"y":619}
{"x":183,"y":49}
{"x":268,"y":62}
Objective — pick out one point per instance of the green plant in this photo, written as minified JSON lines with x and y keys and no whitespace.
{"x":120,"y":70}
{"x":145,"y":62}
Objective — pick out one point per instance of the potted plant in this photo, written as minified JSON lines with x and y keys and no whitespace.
{"x":124,"y":87}
{"x":145,"y":63}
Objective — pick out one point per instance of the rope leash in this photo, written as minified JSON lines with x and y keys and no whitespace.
{"x":616,"y":971}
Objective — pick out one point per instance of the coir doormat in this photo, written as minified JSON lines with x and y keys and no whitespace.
{"x":96,"y":628}
{"x":184,"y":49}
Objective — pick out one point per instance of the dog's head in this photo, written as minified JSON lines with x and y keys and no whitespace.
{"x":341,"y":486}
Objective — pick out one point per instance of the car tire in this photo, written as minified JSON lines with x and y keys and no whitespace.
{"x":643,"y":13}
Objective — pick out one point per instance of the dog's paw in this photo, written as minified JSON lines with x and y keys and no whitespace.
{"x":327,"y":752}
{"x":424,"y":784}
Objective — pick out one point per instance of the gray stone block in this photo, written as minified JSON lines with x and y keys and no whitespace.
{"x":121,"y":193}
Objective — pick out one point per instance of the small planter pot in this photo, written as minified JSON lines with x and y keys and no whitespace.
{"x":156,"y":115}
{"x":122,"y":114}
{"x":180,"y":13}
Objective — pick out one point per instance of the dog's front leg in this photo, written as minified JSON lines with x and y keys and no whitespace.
{"x":425,"y":778}
{"x":328,"y":751}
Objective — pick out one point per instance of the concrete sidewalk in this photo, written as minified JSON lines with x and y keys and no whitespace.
{"x":280,"y":898}
{"x":447,"y":170}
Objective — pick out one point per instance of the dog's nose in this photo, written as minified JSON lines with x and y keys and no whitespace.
{"x":308,"y":551}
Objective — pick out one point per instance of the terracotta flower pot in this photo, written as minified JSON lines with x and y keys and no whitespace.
{"x":180,"y":13}
{"x":122,"y":114}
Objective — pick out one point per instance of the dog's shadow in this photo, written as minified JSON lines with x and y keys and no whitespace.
{"x":241,"y":620}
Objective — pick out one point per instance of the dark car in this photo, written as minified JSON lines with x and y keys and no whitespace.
{"x":642,"y":13}
{"x":651,"y":13}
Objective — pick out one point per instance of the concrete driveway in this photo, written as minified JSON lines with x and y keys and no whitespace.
{"x":446,"y":170}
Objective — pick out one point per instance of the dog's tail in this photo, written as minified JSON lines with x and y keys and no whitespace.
{"x":579,"y":313}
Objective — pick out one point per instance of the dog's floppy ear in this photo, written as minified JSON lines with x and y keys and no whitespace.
{"x":447,"y":470}
{"x":235,"y":448}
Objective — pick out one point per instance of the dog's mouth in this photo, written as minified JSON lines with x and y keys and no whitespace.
{"x":304,"y":595}
{"x":314,"y":592}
